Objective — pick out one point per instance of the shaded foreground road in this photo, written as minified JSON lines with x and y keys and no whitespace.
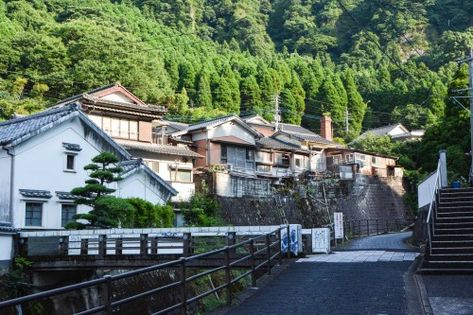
{"x":366,"y":279}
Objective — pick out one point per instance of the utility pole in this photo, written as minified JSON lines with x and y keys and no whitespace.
{"x":457,"y":99}
{"x":470,"y":91}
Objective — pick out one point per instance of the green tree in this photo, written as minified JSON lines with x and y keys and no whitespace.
{"x":148,"y":215}
{"x":107,"y":211}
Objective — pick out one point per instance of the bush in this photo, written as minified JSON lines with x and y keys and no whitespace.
{"x":147,"y":215}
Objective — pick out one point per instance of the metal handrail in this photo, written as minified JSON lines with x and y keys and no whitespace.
{"x":230,"y":261}
{"x":430,"y":220}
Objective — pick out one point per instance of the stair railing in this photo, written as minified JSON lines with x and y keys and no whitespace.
{"x":431,"y":215}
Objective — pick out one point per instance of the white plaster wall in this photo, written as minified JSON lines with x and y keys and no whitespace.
{"x":136,"y":185}
{"x":5,"y":165}
{"x":39,"y":165}
{"x":425,"y":189}
{"x":232,"y":129}
{"x":397,"y":132}
{"x":6,"y":252}
{"x":223,"y":185}
{"x":117,"y":97}
{"x":186,"y":191}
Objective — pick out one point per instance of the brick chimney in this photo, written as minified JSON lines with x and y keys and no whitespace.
{"x":326,"y":127}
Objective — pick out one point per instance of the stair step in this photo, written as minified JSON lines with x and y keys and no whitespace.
{"x":453,"y":207}
{"x":449,"y":264}
{"x":454,"y":225}
{"x":446,"y":214}
{"x":455,"y":203}
{"x":450,"y":257}
{"x":452,"y":219}
{"x":464,"y":197}
{"x":452,"y":250}
{"x":452,"y":271}
{"x":452,"y":238}
{"x":463,"y":189}
{"x":455,"y":231}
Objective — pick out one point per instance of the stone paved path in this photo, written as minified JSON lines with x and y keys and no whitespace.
{"x":450,"y":294}
{"x":355,"y":281}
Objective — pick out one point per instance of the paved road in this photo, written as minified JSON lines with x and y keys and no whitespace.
{"x":350,"y":285}
{"x":392,"y":242}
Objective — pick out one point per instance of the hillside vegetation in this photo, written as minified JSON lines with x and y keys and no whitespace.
{"x":381,"y":61}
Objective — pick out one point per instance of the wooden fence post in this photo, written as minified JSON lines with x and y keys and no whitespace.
{"x":231,"y":240}
{"x":63,"y":245}
{"x":107,"y":294}
{"x":187,"y":244}
{"x":268,"y":253}
{"x":154,"y":245}
{"x":119,"y":246}
{"x":368,"y":227}
{"x":102,"y":245}
{"x":183,"y":286}
{"x":84,"y":247}
{"x":143,"y":244}
{"x":253,"y":262}
{"x":228,"y":277}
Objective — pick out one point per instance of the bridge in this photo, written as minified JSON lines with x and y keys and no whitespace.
{"x":235,"y":256}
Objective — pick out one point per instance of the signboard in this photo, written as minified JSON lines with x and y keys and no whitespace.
{"x":321,"y":240}
{"x":338,"y":224}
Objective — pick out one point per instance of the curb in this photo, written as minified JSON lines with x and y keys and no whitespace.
{"x":421,"y":290}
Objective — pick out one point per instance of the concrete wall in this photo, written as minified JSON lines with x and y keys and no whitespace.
{"x":5,"y":167}
{"x":425,"y":189}
{"x":313,"y":205}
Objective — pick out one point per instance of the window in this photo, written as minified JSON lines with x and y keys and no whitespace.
{"x":154,"y":165}
{"x":124,"y":128}
{"x":250,"y":155}
{"x":33,"y":214}
{"x":263,"y":168}
{"x":179,"y":175}
{"x":223,"y":153}
{"x":298,"y":162}
{"x":70,"y":162}
{"x":68,"y":211}
{"x":107,"y":125}
{"x":115,"y":129}
{"x":374,"y":160}
{"x":133,"y":130}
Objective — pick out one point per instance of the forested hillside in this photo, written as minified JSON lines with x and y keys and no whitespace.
{"x":381,"y":60}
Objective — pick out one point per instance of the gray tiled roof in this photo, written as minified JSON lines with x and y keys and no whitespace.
{"x":221,"y":120}
{"x":158,"y":148}
{"x":278,"y":144}
{"x":381,"y":131}
{"x":304,"y":134}
{"x":33,"y":193}
{"x":71,"y":146}
{"x":65,"y":195}
{"x":15,"y":129}
{"x":133,"y":165}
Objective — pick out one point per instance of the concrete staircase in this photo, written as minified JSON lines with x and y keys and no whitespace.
{"x":452,"y":242}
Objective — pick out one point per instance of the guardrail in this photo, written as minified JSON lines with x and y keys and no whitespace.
{"x":261,"y":251}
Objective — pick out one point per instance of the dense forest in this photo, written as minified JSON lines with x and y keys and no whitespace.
{"x":373,"y":61}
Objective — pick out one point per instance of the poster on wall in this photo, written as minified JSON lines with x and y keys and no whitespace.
{"x":338,"y":225}
{"x":295,"y":238}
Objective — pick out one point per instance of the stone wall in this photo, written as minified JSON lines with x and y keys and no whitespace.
{"x":312,"y":203}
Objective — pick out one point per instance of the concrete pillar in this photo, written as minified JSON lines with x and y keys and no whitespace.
{"x":443,"y":168}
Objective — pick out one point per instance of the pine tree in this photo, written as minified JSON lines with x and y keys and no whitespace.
{"x":107,"y":211}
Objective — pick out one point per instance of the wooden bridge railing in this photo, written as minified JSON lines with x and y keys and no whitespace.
{"x":260,"y":251}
